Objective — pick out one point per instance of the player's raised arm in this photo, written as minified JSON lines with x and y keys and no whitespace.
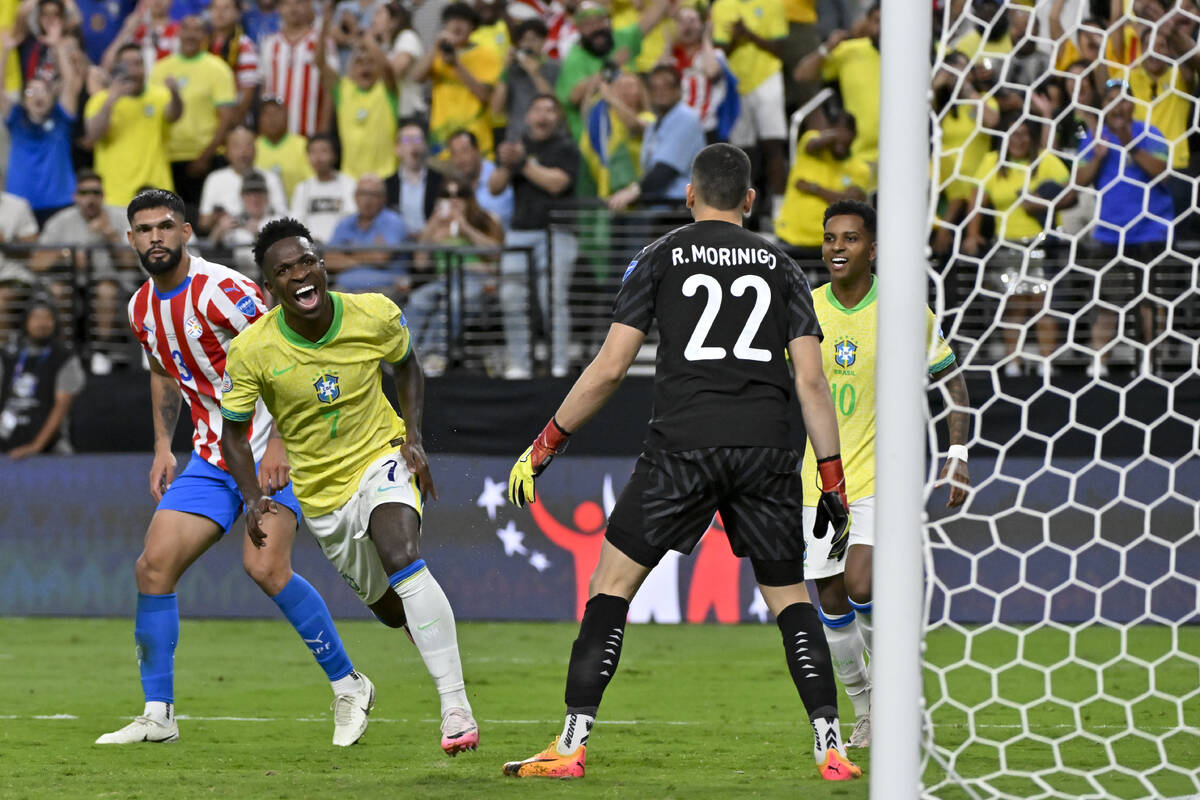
{"x":589,"y":394}
{"x":410,"y":391}
{"x":820,"y":422}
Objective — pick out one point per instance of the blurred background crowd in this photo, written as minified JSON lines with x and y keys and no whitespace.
{"x":493,"y":165}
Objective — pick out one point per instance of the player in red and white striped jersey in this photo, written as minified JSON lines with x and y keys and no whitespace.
{"x":187,"y":331}
{"x":290,"y":70}
{"x":185,"y":316}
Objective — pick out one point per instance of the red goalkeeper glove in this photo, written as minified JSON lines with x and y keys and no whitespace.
{"x":549,"y":443}
{"x":833,"y":510}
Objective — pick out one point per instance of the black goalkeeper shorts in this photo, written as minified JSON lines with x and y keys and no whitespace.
{"x":671,"y":498}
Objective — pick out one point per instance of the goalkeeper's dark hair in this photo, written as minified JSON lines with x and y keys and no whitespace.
{"x":274,"y":231}
{"x":721,"y":176}
{"x":853,"y":208}
{"x":155,"y":198}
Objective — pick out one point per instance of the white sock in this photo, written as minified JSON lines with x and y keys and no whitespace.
{"x":862,"y":612}
{"x":576,"y":729}
{"x":846,"y":648}
{"x":159,"y":711}
{"x":347,"y":684}
{"x":825,"y":736}
{"x":431,"y":624}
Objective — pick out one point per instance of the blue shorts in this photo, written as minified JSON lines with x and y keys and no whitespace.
{"x":212,"y":492}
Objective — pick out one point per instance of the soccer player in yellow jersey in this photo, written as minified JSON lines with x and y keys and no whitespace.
{"x":358,"y":470}
{"x":846,"y":311}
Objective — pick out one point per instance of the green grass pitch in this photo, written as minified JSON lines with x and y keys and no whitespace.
{"x":695,"y":711}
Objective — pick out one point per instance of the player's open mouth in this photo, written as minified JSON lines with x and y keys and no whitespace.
{"x":307,"y":296}
{"x":839,"y":262}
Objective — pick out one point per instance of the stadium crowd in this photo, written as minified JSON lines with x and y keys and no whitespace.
{"x":427,"y":137}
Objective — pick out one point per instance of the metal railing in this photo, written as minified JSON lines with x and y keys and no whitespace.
{"x":90,"y":287}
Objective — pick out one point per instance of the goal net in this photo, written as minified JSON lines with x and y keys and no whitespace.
{"x":1061,"y":651}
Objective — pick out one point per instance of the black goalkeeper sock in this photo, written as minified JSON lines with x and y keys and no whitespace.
{"x":595,"y":654}
{"x":808,"y":659}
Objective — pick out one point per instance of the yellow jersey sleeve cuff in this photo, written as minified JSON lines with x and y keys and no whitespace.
{"x":407,"y":353}
{"x":933,"y":369}
{"x":236,"y":416}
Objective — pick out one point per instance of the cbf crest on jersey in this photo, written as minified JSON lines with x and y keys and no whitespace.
{"x":845,"y":353}
{"x":327,"y":387}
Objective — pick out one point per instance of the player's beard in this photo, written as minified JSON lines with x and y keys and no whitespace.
{"x":164,"y":266}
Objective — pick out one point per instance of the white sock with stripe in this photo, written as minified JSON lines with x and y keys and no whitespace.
{"x":846,"y":649}
{"x":431,"y":625}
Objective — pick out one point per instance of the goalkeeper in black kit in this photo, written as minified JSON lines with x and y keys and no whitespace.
{"x":728,"y":305}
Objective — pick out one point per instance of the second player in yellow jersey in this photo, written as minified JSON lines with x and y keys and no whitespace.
{"x":846,"y":311}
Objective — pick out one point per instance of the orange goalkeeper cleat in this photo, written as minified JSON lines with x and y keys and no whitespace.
{"x":838,"y":768}
{"x":549,"y":764}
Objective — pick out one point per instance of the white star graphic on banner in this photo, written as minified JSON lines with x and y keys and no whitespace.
{"x":539,"y":561}
{"x":512,"y":539}
{"x":758,"y":608}
{"x":492,"y":497}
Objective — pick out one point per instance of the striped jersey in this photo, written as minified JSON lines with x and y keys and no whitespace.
{"x":290,"y":71}
{"x":240,"y":53}
{"x":188,"y":331}
{"x":701,"y":94}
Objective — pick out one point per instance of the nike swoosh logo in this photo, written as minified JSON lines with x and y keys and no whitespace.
{"x":427,"y":624}
{"x":383,"y":489}
{"x":278,"y":372}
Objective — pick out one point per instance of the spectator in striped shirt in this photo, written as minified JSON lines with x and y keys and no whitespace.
{"x":151,"y":29}
{"x":235,"y":48}
{"x":291,"y":70}
{"x":704,"y":73}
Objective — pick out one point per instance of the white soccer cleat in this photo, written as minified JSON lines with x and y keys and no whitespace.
{"x":861,"y":735}
{"x":459,"y":731}
{"x":350,"y":713}
{"x":143,"y":729}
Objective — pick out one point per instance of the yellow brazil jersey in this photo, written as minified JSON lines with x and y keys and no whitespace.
{"x":800,"y":221}
{"x":750,"y":64}
{"x":854,"y":64}
{"x":964,"y":144}
{"x":1068,"y":51}
{"x":452,"y":106}
{"x":133,"y":153}
{"x":1170,"y":106}
{"x":848,"y":360}
{"x":367,"y":126}
{"x":494,"y":36}
{"x":325,"y":396}
{"x":801,"y":11}
{"x":287,"y":158}
{"x":206,"y":85}
{"x":1006,"y":192}
{"x":973,"y":45}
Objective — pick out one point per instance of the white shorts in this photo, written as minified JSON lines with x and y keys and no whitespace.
{"x":342,"y":533}
{"x":762,"y":117}
{"x":817,"y":563}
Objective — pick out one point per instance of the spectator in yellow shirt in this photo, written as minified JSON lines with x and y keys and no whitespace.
{"x":1024,"y":187}
{"x":463,"y":75}
{"x":368,"y":107}
{"x":752,"y":34}
{"x":277,"y":149}
{"x":853,"y":63}
{"x":127,"y":126}
{"x":823,"y":172}
{"x":206,"y":85}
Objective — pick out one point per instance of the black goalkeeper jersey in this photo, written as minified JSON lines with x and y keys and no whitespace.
{"x":727,"y":303}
